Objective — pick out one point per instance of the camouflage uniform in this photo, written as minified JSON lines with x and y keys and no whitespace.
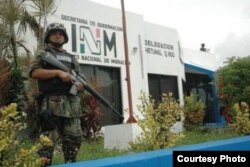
{"x":64,"y":109}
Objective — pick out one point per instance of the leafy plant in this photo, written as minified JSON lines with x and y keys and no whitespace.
{"x":90,"y":120}
{"x":10,"y":152}
{"x":157,"y":122}
{"x":11,"y":84}
{"x":17,"y":89}
{"x":193,"y":112}
{"x":227,"y":114}
{"x":91,"y":114}
{"x":241,"y":118}
{"x":233,"y":81}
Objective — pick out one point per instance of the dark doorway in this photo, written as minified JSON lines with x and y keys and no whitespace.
{"x":108,"y":80}
{"x":200,"y":85}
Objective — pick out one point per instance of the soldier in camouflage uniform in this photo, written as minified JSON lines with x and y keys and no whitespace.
{"x":60,"y":110}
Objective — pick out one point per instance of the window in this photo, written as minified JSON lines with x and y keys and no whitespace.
{"x":108,"y":80}
{"x":159,"y":84}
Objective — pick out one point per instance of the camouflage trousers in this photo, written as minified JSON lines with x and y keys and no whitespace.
{"x":68,"y":134}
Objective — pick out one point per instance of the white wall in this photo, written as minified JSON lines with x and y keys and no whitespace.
{"x":92,"y":21}
{"x":201,"y":59}
{"x":162,"y":53}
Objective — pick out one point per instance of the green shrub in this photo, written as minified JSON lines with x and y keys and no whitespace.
{"x":241,"y":118}
{"x":233,"y":81}
{"x":10,"y":152}
{"x":193,"y":112}
{"x":157,"y":122}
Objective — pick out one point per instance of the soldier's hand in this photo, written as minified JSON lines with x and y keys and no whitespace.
{"x":64,"y":76}
{"x":79,"y":86}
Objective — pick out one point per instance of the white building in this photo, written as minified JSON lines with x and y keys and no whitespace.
{"x":157,"y":63}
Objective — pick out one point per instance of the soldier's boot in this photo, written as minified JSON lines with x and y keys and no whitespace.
{"x":70,"y":153}
{"x":47,"y":153}
{"x":70,"y":147}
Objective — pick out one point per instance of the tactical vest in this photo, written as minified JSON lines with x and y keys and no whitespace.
{"x":55,"y":86}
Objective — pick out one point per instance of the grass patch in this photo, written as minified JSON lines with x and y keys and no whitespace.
{"x":90,"y":151}
{"x":95,"y":150}
{"x":205,"y":135}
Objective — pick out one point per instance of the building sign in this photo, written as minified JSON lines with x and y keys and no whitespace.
{"x":159,"y":48}
{"x":95,"y":41}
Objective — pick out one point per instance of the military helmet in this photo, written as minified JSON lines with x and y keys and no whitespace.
{"x":55,"y":27}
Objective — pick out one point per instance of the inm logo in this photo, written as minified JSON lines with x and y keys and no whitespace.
{"x":91,"y":41}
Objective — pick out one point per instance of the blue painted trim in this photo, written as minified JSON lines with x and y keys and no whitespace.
{"x":163,"y":158}
{"x":199,"y":69}
{"x":215,"y":105}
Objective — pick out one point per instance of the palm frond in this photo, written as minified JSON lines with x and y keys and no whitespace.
{"x":44,"y":7}
{"x":11,"y":11}
{"x":30,"y":21}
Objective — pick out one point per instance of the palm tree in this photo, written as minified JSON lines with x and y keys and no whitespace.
{"x":10,"y":14}
{"x":42,"y":10}
{"x":14,"y":20}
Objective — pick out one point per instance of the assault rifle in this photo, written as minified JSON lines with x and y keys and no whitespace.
{"x":52,"y":60}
